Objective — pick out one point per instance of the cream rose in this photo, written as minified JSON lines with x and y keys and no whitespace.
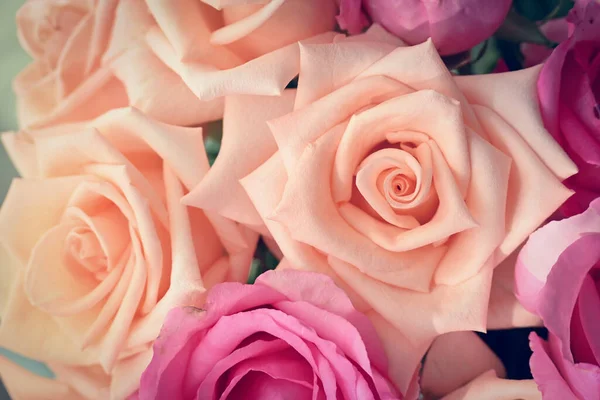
{"x":91,"y":57}
{"x":221,"y":46}
{"x":405,"y":183}
{"x":96,"y":246}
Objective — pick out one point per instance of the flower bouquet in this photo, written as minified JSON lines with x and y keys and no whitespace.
{"x":304,"y":199}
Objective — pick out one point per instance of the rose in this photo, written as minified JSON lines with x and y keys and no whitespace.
{"x":568,"y":89}
{"x":96,"y":246}
{"x":292,"y":333}
{"x":213,"y":44}
{"x":460,"y":366}
{"x":557,"y":277}
{"x":454,"y":26}
{"x":555,"y":30}
{"x":406,"y":184}
{"x":90,"y":57}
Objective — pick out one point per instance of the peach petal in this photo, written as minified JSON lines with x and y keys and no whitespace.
{"x":309,"y":214}
{"x":421,"y":68}
{"x":34,"y":334}
{"x":187,"y":26}
{"x":327,"y":67}
{"x":454,"y":359}
{"x":149,"y":94}
{"x":72,"y":60}
{"x":489,"y":387}
{"x":127,"y":373}
{"x":27,"y":200}
{"x":89,"y":382}
{"x":245,"y":123}
{"x":22,"y":384}
{"x":9,"y":268}
{"x":513,"y":96}
{"x":486,"y":201}
{"x":505,"y":311}
{"x":235,"y":31}
{"x":426,"y":111}
{"x":534,"y":191}
{"x":265,"y":187}
{"x":103,"y":22}
{"x":293,"y":132}
{"x":451,"y":308}
{"x":254,"y":77}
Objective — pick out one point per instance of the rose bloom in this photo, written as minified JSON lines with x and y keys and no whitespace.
{"x":406,"y":184}
{"x":568,"y":87}
{"x":214,"y":45}
{"x":556,"y":30}
{"x":89,"y":58}
{"x":292,"y":334}
{"x":558,"y":277}
{"x":454,"y":26}
{"x":96,"y":246}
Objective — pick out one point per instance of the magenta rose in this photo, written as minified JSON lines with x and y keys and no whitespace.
{"x":292,"y":335}
{"x":569,"y":93}
{"x":558,"y":278}
{"x":454,"y":26}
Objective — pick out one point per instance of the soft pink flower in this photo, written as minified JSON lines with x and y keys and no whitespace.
{"x":406,"y":184}
{"x":290,"y":335}
{"x":569,"y":96}
{"x":90,"y":57}
{"x":96,"y":247}
{"x":454,"y":26}
{"x":558,"y":277}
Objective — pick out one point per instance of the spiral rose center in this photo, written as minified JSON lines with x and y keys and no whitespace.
{"x":83,"y":247}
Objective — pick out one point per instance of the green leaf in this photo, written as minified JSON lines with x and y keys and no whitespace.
{"x":541,"y":10}
{"x":516,"y":28}
{"x":485,"y":57}
{"x":255,"y":271}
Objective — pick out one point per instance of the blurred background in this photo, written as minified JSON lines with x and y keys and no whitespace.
{"x":12,"y":60}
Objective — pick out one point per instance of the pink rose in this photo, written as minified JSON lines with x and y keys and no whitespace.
{"x":406,"y":184}
{"x":81,"y":50}
{"x":558,"y":277}
{"x":290,"y":335}
{"x":568,"y":87}
{"x":454,"y":26}
{"x":214,"y":44}
{"x":96,"y":246}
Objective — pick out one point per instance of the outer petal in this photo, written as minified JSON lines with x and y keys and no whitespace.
{"x":489,"y":387}
{"x":245,"y":126}
{"x":513,"y":96}
{"x":453,"y":360}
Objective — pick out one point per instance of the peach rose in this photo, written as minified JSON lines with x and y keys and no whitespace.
{"x":216,"y":45}
{"x":90,"y":57}
{"x":406,"y":184}
{"x":96,"y":247}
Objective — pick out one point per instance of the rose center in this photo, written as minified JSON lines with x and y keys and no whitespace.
{"x":83,"y":247}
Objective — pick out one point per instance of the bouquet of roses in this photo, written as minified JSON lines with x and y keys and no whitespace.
{"x":405,"y":174}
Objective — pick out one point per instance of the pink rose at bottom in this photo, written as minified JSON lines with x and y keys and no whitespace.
{"x":292,"y":335}
{"x":558,"y":277}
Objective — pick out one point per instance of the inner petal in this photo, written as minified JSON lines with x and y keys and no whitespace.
{"x":81,"y":244}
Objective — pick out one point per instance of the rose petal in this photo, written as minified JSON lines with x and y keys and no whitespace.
{"x":488,"y":386}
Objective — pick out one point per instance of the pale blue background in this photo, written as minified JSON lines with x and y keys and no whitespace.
{"x":12,"y":60}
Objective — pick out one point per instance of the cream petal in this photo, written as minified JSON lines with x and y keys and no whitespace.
{"x":486,"y":201}
{"x":89,"y":382}
{"x":421,"y":68}
{"x":534,"y":192}
{"x":158,"y":92}
{"x":245,"y":125}
{"x":450,"y":308}
{"x":489,"y":387}
{"x":258,"y":76}
{"x":455,"y":359}
{"x":293,"y":132}
{"x":513,"y":96}
{"x":28,"y":212}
